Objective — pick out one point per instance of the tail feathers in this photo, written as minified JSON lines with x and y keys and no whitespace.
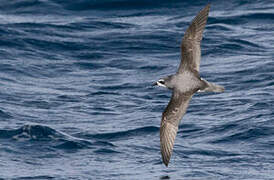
{"x":211,"y":87}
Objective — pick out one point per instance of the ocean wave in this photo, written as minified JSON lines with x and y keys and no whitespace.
{"x":58,"y":139}
{"x":32,"y":177}
{"x":109,"y":4}
{"x":142,"y":131}
{"x":246,"y":135}
{"x":34,"y":132}
{"x":28,"y":6}
{"x":4,"y":114}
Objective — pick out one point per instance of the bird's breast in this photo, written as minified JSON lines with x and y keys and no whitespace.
{"x":187,"y":82}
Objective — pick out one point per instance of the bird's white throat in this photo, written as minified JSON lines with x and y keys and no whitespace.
{"x":160,"y":84}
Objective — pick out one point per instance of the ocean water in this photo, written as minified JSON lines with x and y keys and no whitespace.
{"x":76,"y":100}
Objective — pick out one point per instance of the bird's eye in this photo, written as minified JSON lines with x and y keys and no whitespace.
{"x":162,"y":81}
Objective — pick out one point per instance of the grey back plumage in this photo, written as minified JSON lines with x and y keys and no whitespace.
{"x":188,"y":73}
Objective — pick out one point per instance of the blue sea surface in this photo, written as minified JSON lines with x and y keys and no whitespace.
{"x":76,"y":95}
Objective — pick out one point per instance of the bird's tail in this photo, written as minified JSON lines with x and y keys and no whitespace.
{"x":211,"y":87}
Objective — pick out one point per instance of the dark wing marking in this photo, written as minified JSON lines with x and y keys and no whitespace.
{"x":190,"y":46}
{"x":171,"y":118}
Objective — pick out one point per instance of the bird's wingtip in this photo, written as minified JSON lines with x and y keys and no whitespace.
{"x":165,"y":161}
{"x":207,"y":7}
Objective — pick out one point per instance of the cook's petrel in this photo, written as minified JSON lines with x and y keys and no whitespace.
{"x":184,"y":83}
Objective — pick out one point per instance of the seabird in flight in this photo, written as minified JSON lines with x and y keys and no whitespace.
{"x":184,"y":84}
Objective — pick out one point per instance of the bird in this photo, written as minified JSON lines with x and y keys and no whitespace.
{"x":184,"y":83}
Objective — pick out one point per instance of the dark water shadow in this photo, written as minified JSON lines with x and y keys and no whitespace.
{"x":164,"y":177}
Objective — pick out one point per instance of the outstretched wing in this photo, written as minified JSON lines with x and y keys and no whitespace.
{"x":190,"y":46}
{"x":171,"y":118}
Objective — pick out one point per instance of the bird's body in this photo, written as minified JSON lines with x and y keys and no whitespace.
{"x":187,"y":81}
{"x":184,"y":84}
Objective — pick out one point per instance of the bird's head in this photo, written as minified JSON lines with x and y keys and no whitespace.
{"x":166,"y":82}
{"x":160,"y":82}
